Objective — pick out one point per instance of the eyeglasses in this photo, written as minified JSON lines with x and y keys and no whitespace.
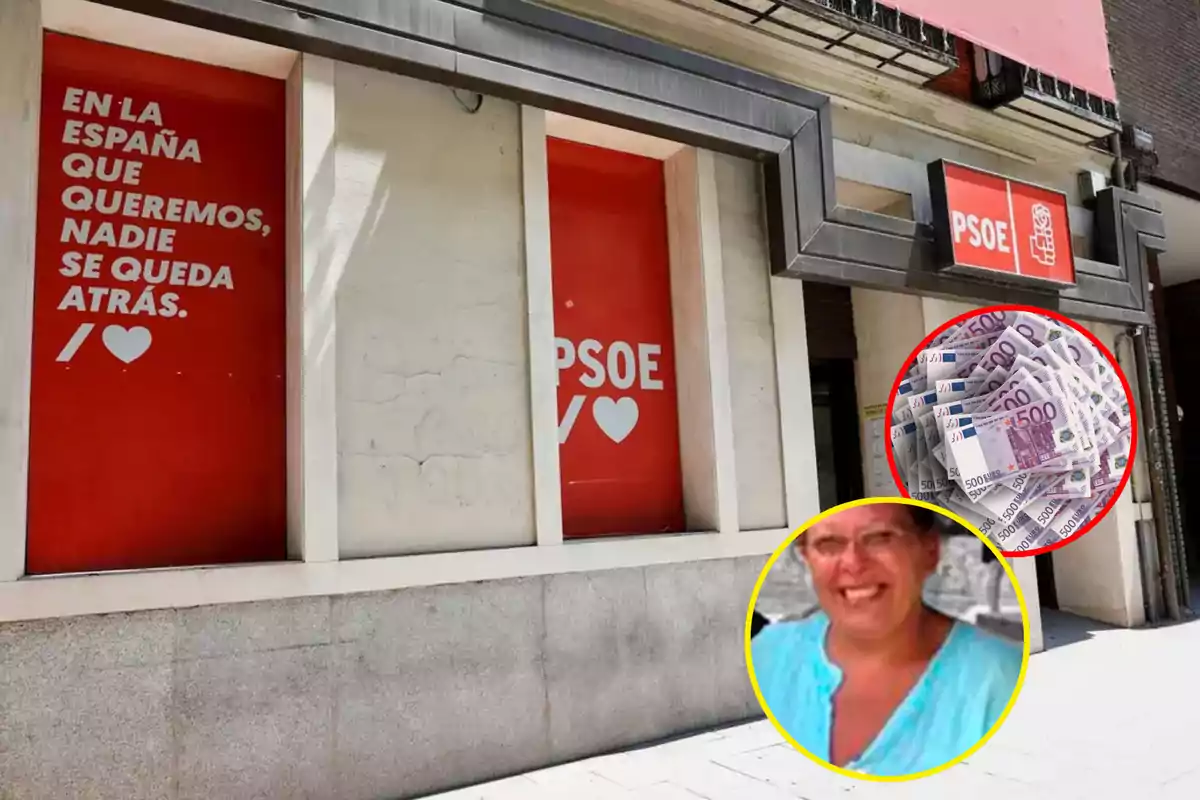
{"x":872,"y":544}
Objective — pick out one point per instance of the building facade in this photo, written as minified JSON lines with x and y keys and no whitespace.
{"x":1167,"y":169}
{"x":485,"y":351}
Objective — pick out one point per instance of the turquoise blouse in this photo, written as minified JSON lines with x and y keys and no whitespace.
{"x":958,"y":699}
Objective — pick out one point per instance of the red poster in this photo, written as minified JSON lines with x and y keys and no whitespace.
{"x":157,"y":408}
{"x":618,"y":419}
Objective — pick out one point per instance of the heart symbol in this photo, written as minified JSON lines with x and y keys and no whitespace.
{"x":617,"y":418}
{"x":127,"y":344}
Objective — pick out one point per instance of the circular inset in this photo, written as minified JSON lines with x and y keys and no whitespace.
{"x":884,"y":642}
{"x":1017,"y":419}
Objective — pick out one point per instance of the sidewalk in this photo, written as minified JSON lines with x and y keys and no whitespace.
{"x":1105,"y":713}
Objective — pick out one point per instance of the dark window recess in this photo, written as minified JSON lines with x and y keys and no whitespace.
{"x":832,"y":349}
{"x":835,"y":426}
{"x":829,"y":321}
{"x":1047,"y":591}
{"x":1181,"y":366}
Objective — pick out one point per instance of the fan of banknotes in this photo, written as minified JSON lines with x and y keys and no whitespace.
{"x":1015,"y":422}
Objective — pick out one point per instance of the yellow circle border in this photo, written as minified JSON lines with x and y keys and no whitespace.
{"x":782,"y":548}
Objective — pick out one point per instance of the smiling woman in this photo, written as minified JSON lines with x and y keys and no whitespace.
{"x":877,"y":682}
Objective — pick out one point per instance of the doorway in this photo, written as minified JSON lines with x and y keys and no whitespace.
{"x":1047,"y":590}
{"x":835,"y":425}
{"x":1175,"y":310}
{"x":832,"y":350}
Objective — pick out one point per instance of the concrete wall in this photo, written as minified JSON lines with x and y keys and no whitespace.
{"x":367,"y":696}
{"x":433,"y":380}
{"x":754,"y":390}
{"x":702,"y":392}
{"x":1099,"y":574}
{"x":20,"y":92}
{"x":887,"y":327}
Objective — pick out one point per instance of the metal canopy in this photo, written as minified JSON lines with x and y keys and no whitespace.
{"x":546,"y":58}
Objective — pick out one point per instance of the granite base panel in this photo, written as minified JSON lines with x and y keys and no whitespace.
{"x":367,"y":696}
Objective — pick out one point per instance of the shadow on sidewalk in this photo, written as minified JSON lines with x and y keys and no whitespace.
{"x":1060,"y":628}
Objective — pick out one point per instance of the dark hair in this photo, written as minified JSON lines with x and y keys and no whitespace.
{"x":923,"y":519}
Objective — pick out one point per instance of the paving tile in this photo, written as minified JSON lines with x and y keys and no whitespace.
{"x":714,"y":781}
{"x":634,"y":770}
{"x":519,"y":787}
{"x":469,"y":793}
{"x":1066,"y":772}
{"x":955,"y":782}
{"x":783,"y":767}
{"x":577,"y":782}
{"x":753,"y":737}
{"x":1184,"y":787}
{"x":664,"y":791}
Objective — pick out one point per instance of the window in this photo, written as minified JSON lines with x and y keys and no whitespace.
{"x":158,"y":396}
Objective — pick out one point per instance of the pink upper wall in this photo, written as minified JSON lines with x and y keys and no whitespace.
{"x":1066,"y":38}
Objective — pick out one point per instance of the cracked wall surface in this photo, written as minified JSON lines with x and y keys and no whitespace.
{"x":433,"y":384}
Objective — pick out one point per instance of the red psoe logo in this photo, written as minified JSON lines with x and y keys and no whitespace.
{"x":997,"y":227}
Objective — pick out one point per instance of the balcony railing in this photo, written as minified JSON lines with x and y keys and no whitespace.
{"x":1039,"y":99}
{"x":863,"y":31}
{"x":881,"y":37}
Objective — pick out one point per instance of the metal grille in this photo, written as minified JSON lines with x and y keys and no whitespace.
{"x":1044,"y":84}
{"x":886,"y":19}
{"x":866,"y":32}
{"x":1155,"y":441}
{"x":1162,"y":455}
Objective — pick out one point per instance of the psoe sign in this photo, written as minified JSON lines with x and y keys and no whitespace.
{"x":992,"y":226}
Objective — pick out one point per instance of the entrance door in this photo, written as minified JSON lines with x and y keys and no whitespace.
{"x":1178,"y":420}
{"x":835,"y":425}
{"x":1047,"y":588}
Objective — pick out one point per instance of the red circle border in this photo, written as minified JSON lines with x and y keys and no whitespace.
{"x":1112,"y":360}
